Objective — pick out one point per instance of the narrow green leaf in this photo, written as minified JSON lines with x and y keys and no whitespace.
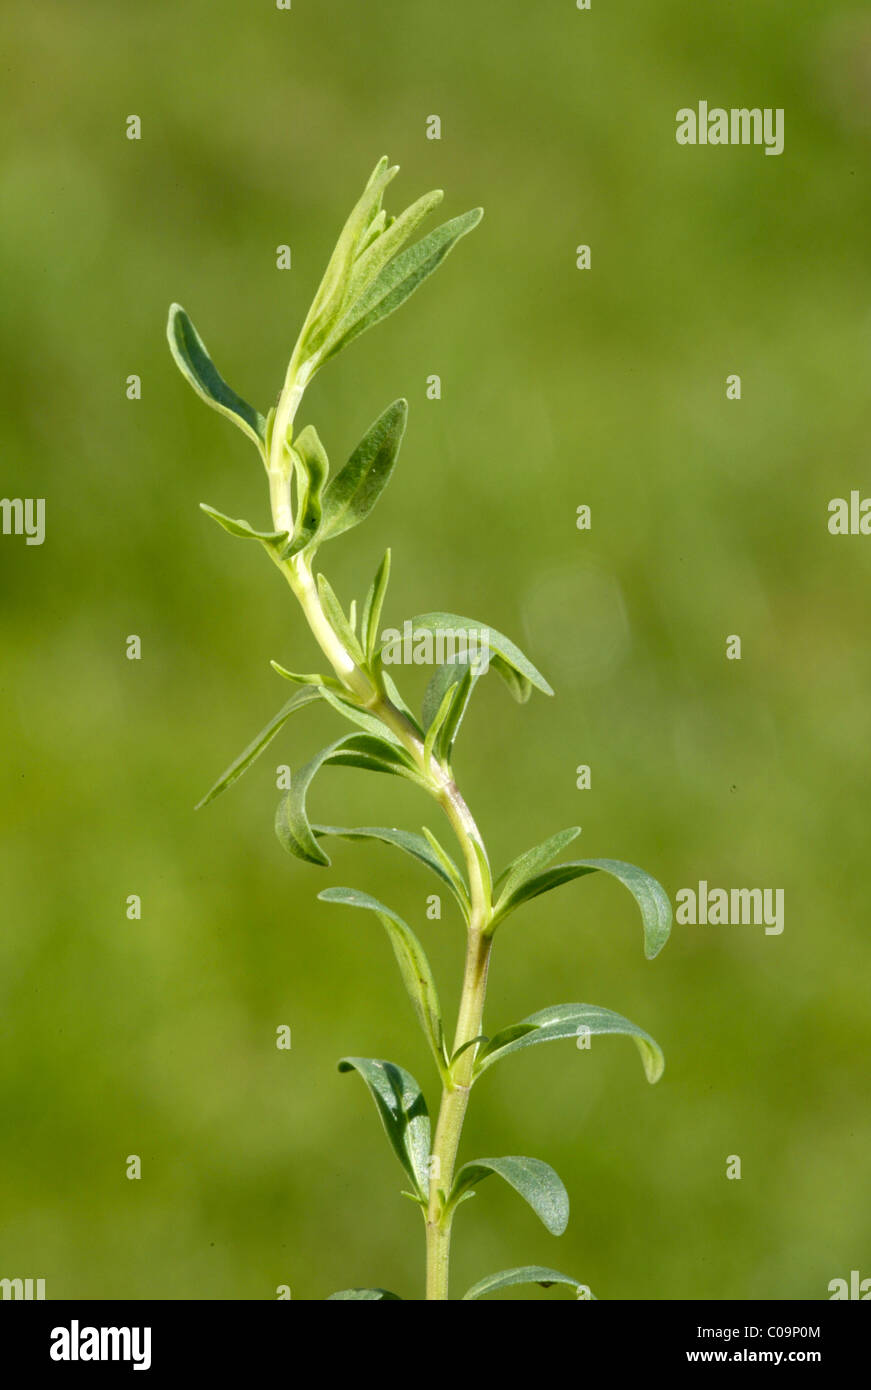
{"x":337,"y":619}
{"x":364,"y":1295}
{"x":438,"y":720}
{"x":399,"y":279}
{"x":408,"y":842}
{"x":650,"y":896}
{"x":312,"y":466}
{"x":447,"y":734}
{"x":372,"y":606}
{"x":532,"y":860}
{"x":411,"y":959}
{"x":395,"y":697}
{"x":460,"y":886}
{"x":351,"y":495}
{"x":403,"y":1112}
{"x":311,"y":679}
{"x":197,"y":367}
{"x":389,"y":242}
{"x":457,"y":634}
{"x":250,"y":754}
{"x":361,"y":717}
{"x":536,"y":1182}
{"x":237,"y":526}
{"x":564,"y":1021}
{"x":354,"y":750}
{"x":526,"y":1274}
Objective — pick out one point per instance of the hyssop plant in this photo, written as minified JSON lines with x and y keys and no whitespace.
{"x":374,"y":268}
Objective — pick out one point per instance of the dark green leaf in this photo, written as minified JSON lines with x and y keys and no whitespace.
{"x":649,"y":895}
{"x":527,"y":1274}
{"x":239,"y":527}
{"x":257,"y":745}
{"x":195,"y":365}
{"x":399,"y":279}
{"x":403,"y":1113}
{"x":536,"y":1182}
{"x":354,"y":750}
{"x":351,"y":495}
{"x":411,"y":959}
{"x":364,"y":1295}
{"x":564,"y":1021}
{"x":409,"y":842}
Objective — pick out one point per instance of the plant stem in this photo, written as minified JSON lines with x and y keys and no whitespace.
{"x":440,"y":783}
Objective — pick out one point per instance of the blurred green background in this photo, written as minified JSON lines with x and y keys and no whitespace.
{"x":560,"y":387}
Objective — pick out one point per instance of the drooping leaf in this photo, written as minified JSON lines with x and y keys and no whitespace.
{"x":565,"y":1021}
{"x":649,"y":895}
{"x":533,"y":860}
{"x":536,"y":1182}
{"x":415,"y":845}
{"x":413,"y":965}
{"x":363,"y":1295}
{"x":197,"y":367}
{"x":398,"y":279}
{"x":403,"y":1112}
{"x":312,"y":467}
{"x":372,"y":606}
{"x":457,"y":635}
{"x":354,"y":750}
{"x":250,"y":754}
{"x":237,"y":526}
{"x":353,"y":492}
{"x":525,"y":1274}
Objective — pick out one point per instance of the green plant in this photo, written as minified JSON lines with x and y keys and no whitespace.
{"x":371,"y":272}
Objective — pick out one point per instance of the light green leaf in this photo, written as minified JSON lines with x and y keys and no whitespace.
{"x":237,"y":526}
{"x":399,"y":279}
{"x":460,"y":886}
{"x":354,"y":750}
{"x":312,"y":467}
{"x":438,"y":720}
{"x":372,"y":606}
{"x":533,"y":860}
{"x":536,"y":1182}
{"x":351,"y":495}
{"x":250,"y":754}
{"x":389,"y":242}
{"x":395,"y":697}
{"x":312,"y":679}
{"x":364,"y":1295}
{"x":361,"y":717}
{"x":526,"y":1274}
{"x":338,"y":620}
{"x":515,"y":669}
{"x":196,"y":366}
{"x":411,"y":959}
{"x":403,"y":1112}
{"x":564,"y":1021}
{"x":410,"y":843}
{"x":649,"y":895}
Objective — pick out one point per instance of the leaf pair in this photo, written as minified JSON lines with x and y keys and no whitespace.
{"x":528,"y":876}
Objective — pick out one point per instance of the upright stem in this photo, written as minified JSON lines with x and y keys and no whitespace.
{"x":439,"y":781}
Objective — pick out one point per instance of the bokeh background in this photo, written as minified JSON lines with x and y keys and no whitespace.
{"x":560,"y":387}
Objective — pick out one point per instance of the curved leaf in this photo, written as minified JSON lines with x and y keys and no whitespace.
{"x":250,"y":754}
{"x":526,"y":1274}
{"x":647,"y":892}
{"x":352,"y":494}
{"x":354,"y":750}
{"x":403,"y":1112}
{"x":410,"y":843}
{"x":312,"y":467}
{"x":411,"y":959}
{"x":197,"y":367}
{"x":238,"y":526}
{"x":366,"y":1295}
{"x":515,"y":669}
{"x":563,"y":1021}
{"x":536,"y":1182}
